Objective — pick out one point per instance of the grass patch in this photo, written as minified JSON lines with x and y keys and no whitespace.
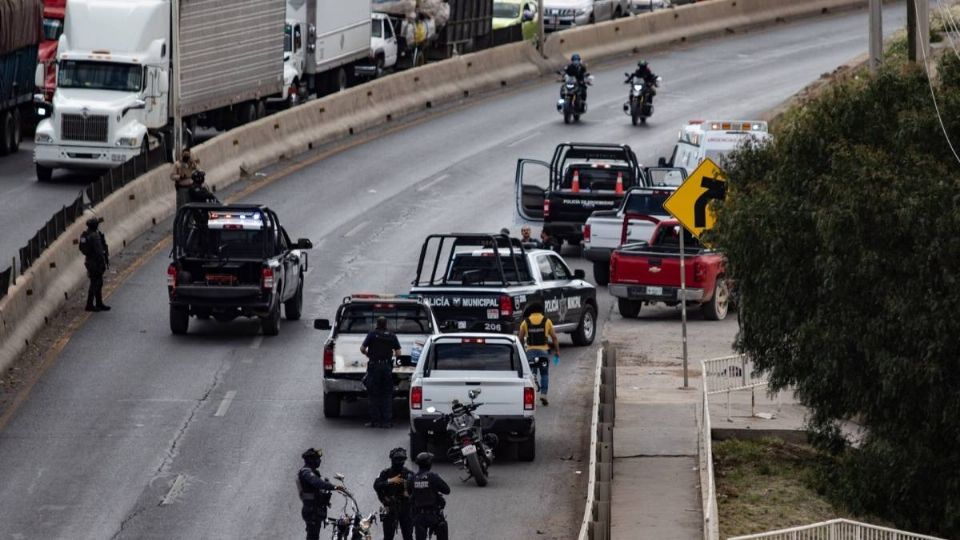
{"x":770,"y":484}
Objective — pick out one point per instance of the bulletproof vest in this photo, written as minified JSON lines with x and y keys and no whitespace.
{"x":312,"y":497}
{"x":424,"y":495}
{"x":84,"y":243}
{"x":396,"y":491}
{"x":537,"y":333}
{"x":381,"y":348}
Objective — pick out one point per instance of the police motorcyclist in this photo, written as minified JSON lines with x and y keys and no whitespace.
{"x":391,"y":488}
{"x":314,"y":493}
{"x":578,"y":69}
{"x":535,"y":333}
{"x":380,"y":347}
{"x":93,"y":245}
{"x":199,"y":192}
{"x":644,"y":72}
{"x":426,"y":490}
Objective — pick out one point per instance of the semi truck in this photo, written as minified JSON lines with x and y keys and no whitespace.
{"x":20,"y":35}
{"x":115,"y":96}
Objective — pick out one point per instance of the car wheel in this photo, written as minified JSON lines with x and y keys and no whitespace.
{"x":718,"y":306}
{"x":601,"y":273}
{"x":331,"y":405}
{"x":418,"y":443}
{"x":587,"y":329}
{"x":271,"y":323}
{"x":179,"y":320}
{"x":629,"y":309}
{"x":44,"y":174}
{"x":527,"y":450}
{"x":293,"y":307}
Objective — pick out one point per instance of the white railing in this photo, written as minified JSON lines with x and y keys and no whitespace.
{"x":837,"y":529}
{"x":592,"y":471}
{"x":729,"y":374}
{"x":711,"y":525}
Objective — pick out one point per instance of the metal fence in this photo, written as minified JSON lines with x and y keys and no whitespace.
{"x":596,"y":513}
{"x":95,"y":193}
{"x":729,"y":374}
{"x":711,"y":523}
{"x":837,"y":529}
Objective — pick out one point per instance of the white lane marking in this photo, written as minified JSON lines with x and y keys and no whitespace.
{"x":433,"y":182}
{"x":523,"y":139}
{"x":356,"y":229}
{"x":257,"y":341}
{"x":175,"y":490}
{"x":225,"y":404}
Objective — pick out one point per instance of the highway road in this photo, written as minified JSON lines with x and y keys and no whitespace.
{"x":130,"y":435}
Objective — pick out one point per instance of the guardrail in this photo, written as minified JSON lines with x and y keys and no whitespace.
{"x":711,"y":524}
{"x":837,"y":529}
{"x":729,"y":374}
{"x":596,"y":513}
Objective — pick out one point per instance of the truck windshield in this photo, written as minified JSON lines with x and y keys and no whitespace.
{"x":52,"y":28}
{"x":224,"y":244}
{"x":479,"y":269}
{"x":670,"y":236}
{"x":473,"y":357}
{"x":506,"y":10}
{"x":401,"y":319}
{"x":100,"y":76}
{"x":650,"y":204}
{"x":376,"y":28}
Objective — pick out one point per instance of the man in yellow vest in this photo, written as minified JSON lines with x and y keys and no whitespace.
{"x":538,"y":336}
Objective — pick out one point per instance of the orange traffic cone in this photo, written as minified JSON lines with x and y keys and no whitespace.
{"x":576,"y":182}
{"x":619,"y":188}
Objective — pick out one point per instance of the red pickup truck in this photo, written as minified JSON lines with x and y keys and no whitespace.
{"x":648,"y":272}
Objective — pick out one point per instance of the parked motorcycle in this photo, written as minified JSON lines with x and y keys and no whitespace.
{"x":570,"y":104}
{"x":638,"y":105}
{"x":350,"y":526}
{"x":470,"y":448}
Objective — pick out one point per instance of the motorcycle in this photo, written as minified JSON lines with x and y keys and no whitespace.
{"x":470,"y":448}
{"x":570,"y":105}
{"x":350,"y":526}
{"x":638,"y":105}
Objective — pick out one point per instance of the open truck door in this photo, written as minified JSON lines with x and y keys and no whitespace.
{"x":532,"y":184}
{"x":670,"y":177}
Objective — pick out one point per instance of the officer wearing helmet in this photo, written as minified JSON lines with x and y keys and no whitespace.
{"x":426,"y":490}
{"x":198,"y":191}
{"x":644,"y":72}
{"x":93,"y":245}
{"x":578,"y":69}
{"x":391,"y":488}
{"x":314,"y":492}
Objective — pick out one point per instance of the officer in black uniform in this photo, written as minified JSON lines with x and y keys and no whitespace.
{"x":380,"y":347}
{"x":314,"y":493}
{"x":426,"y":496}
{"x":96,"y":254}
{"x":199,"y":192}
{"x":391,"y":488}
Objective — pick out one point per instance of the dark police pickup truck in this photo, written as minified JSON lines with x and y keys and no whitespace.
{"x":473,"y":286}
{"x":234,"y":261}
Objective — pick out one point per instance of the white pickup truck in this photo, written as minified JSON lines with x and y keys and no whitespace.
{"x":408,"y":316}
{"x":453,"y":364}
{"x":604,"y":230}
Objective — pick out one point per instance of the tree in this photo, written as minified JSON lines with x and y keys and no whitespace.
{"x":843,"y":237}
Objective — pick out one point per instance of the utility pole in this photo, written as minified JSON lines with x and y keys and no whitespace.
{"x":918,"y":30}
{"x":540,"y":36}
{"x":911,"y":30}
{"x":876,"y":34}
{"x":175,"y":87}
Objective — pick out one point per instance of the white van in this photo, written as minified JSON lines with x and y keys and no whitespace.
{"x":713,"y":139}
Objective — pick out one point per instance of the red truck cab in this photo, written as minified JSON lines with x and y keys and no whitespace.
{"x":53,"y":17}
{"x":649,"y":272}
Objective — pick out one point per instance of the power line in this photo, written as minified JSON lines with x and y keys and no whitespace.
{"x":936,"y":106}
{"x":951,"y":27}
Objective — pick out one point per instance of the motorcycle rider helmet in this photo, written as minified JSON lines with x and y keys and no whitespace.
{"x":424,"y":460}
{"x":642,"y":64}
{"x":198,"y":176}
{"x":575,"y":58}
{"x":312,"y":455}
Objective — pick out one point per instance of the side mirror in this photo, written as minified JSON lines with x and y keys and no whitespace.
{"x":579,"y":274}
{"x":321,"y":324}
{"x":303,"y":243}
{"x":163,"y":81}
{"x":474,"y":393}
{"x":39,"y":75}
{"x":431,"y":409}
{"x":339,"y":476}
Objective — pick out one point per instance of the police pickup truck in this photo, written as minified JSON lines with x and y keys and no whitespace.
{"x":483,"y":282}
{"x":408,"y":316}
{"x":234,"y":261}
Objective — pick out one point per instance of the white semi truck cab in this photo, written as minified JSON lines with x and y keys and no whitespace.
{"x":112,"y":85}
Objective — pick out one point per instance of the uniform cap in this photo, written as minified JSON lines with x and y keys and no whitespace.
{"x":312,"y":453}
{"x":424,"y":459}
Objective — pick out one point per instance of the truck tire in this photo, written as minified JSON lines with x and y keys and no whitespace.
{"x":476,"y":470}
{"x":44,"y":174}
{"x":418,"y":443}
{"x":6,"y":133}
{"x":629,"y":309}
{"x":261,"y":109}
{"x":331,"y":405}
{"x":601,"y":273}
{"x":719,"y":305}
{"x":587,"y":329}
{"x":293,"y":307}
{"x":341,"y":81}
{"x":179,"y":320}
{"x":270,"y":325}
{"x":527,"y":450}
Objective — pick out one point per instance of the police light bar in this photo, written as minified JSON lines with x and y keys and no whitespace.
{"x":374,"y":296}
{"x":738,"y":125}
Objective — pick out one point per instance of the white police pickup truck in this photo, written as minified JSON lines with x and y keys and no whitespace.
{"x":408,"y":316}
{"x":453,"y":364}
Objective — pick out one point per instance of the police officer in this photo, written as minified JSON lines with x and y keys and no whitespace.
{"x":380,"y":347}
{"x":93,"y":245}
{"x":536,"y":333}
{"x":391,"y":488}
{"x":199,"y":192}
{"x":314,"y":492}
{"x":426,"y":496}
{"x":577,"y":69}
{"x":644,"y":72}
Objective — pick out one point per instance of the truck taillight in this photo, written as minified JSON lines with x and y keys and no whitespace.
{"x":506,"y":306}
{"x":267,"y":278}
{"x":528,"y":398}
{"x":328,"y":357}
{"x":699,"y":271}
{"x":586,"y":232}
{"x":546,"y":208}
{"x":172,"y":276}
{"x":416,"y":397}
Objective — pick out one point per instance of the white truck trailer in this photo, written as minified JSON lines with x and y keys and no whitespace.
{"x":116,"y":68}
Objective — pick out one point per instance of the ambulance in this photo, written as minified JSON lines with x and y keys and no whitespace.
{"x":700,"y":139}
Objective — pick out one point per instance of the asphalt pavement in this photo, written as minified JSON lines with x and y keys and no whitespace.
{"x":130,"y":433}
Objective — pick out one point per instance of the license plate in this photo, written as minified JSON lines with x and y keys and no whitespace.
{"x":655,"y":291}
{"x":469,"y":450}
{"x":117,"y":158}
{"x":493,"y":313}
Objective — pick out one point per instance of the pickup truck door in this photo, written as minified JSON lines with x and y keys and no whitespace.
{"x":291,"y":266}
{"x":532,"y":183}
{"x":571,"y":301}
{"x":557,"y":293}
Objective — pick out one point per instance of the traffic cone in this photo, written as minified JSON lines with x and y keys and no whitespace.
{"x":576,"y":181}
{"x":619,"y":188}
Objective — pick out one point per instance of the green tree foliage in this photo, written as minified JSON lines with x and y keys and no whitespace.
{"x":844,"y":240}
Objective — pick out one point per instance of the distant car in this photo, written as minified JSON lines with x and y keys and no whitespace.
{"x":563,"y":14}
{"x":642,"y":6}
{"x":507,"y":13}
